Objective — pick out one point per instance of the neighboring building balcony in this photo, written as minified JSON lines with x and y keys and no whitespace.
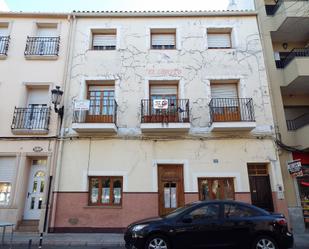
{"x":281,"y":10}
{"x":101,"y":117}
{"x":31,"y":121}
{"x":166,"y":115}
{"x":295,"y":66}
{"x":228,"y":114}
{"x":300,"y":126}
{"x":42,"y":47}
{"x":4,"y":46}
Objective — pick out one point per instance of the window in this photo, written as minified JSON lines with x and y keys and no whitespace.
{"x":5,"y":193}
{"x":105,"y":190}
{"x":219,"y":38}
{"x":7,"y":174}
{"x":163,"y":38}
{"x":4,"y":38}
{"x":209,"y":211}
{"x":104,"y":39}
{"x":236,"y":211}
{"x":216,"y":188}
{"x":257,"y":170}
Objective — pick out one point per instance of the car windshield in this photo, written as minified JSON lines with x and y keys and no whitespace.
{"x":177,"y":211}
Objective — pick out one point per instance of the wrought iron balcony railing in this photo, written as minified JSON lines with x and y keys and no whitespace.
{"x":43,"y":46}
{"x":4,"y":44}
{"x":231,"y":110}
{"x":100,"y":111}
{"x":295,"y":52}
{"x":298,"y":122}
{"x":36,"y":118}
{"x":175,"y":111}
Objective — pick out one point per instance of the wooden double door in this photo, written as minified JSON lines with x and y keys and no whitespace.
{"x":170,"y":188}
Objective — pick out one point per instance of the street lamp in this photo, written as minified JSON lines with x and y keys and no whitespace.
{"x":56,"y":100}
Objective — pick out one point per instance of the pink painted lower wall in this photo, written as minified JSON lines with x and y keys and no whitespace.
{"x":73,"y":214}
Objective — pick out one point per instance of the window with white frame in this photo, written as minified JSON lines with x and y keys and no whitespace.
{"x":104,"y":39}
{"x":219,"y":38}
{"x":163,"y":38}
{"x":7,"y":174}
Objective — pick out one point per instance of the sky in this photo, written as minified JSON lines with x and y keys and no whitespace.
{"x":69,"y":5}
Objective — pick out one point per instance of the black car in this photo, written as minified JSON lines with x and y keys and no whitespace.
{"x":216,"y":224}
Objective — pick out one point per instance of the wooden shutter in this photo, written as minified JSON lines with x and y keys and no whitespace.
{"x":7,"y":169}
{"x":102,"y":40}
{"x":224,"y":91}
{"x":219,"y":40}
{"x":162,"y":39}
{"x":163,"y":90}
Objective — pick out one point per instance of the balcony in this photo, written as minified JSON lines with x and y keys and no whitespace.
{"x":284,"y":13}
{"x":31,"y":121}
{"x":42,"y":47}
{"x":300,"y":127}
{"x":4,"y":46}
{"x":295,"y":68}
{"x":230,"y":114}
{"x":101,"y":117}
{"x":172,"y":117}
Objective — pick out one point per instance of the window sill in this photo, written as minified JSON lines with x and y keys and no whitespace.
{"x":41,"y":57}
{"x":103,"y":207}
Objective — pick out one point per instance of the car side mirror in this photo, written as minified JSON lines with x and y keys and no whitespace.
{"x":187,"y":219}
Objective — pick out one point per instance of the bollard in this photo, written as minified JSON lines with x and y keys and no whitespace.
{"x":41,"y":240}
{"x":29,"y":243}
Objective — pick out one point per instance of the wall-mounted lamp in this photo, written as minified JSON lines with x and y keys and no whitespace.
{"x":285,"y":45}
{"x":56,"y":100}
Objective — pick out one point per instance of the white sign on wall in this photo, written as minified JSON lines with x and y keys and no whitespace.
{"x":295,"y":167}
{"x":80,"y":105}
{"x":160,"y":103}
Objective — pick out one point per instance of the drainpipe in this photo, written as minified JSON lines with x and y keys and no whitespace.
{"x":59,"y":150}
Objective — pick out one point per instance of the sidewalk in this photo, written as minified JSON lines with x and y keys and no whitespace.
{"x":68,"y":239}
{"x":99,"y":239}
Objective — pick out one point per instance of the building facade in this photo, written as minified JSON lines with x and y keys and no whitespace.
{"x":33,"y":50}
{"x":285,"y":29}
{"x":161,"y":109}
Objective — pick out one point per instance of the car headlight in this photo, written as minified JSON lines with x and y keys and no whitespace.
{"x":138,"y":227}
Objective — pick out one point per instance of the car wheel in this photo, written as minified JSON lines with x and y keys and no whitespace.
{"x":157,"y":242}
{"x":264,"y":242}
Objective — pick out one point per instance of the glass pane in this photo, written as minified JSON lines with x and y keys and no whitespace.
{"x":234,"y":210}
{"x":39,"y":174}
{"x":117,"y":191}
{"x":40,"y":203}
{"x":167,"y":195}
{"x":5,"y":190}
{"x":210,"y":211}
{"x":106,"y":191}
{"x":32,"y":203}
{"x":35,"y":187}
{"x":94,"y":189}
{"x":173,"y":195}
{"x":228,"y":189}
{"x":215,"y":189}
{"x":204,"y":190}
{"x":42,"y":186}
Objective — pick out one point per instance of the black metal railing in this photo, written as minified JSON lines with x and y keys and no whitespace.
{"x":31,"y":118}
{"x":48,"y":46}
{"x":4,"y":44}
{"x":298,"y":122}
{"x":295,"y":52}
{"x":271,"y":9}
{"x":101,"y":111}
{"x":231,"y":110}
{"x":175,"y":111}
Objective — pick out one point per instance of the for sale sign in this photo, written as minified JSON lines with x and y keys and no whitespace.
{"x":295,"y":168}
{"x":82,"y":105}
{"x":160,"y":103}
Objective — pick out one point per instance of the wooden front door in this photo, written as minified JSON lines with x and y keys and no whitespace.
{"x":261,"y":194}
{"x":171,"y":191}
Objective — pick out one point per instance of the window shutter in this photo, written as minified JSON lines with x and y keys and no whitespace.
{"x":7,"y":169}
{"x":38,"y":96}
{"x":162,"y":39}
{"x":163,"y":90}
{"x":3,"y":31}
{"x":219,"y":40}
{"x":224,"y":91}
{"x":101,"y":40}
{"x":47,"y":32}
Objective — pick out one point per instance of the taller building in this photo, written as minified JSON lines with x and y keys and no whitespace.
{"x":163,"y":108}
{"x":33,"y":55}
{"x":285,"y":33}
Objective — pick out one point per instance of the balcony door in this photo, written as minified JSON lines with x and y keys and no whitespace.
{"x":168,"y":93}
{"x":102,"y":104}
{"x":46,"y":40}
{"x":225,"y":102}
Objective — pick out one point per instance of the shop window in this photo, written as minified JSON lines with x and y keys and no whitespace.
{"x":303,"y":186}
{"x":105,"y":190}
{"x":216,"y":188}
